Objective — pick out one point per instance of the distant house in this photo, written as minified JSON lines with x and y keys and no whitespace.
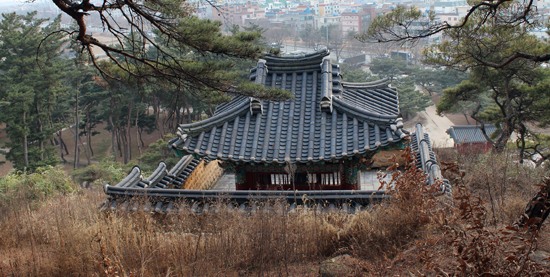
{"x":468,"y":139}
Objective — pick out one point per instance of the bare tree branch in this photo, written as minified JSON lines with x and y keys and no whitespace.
{"x":187,"y":50}
{"x":397,"y":27}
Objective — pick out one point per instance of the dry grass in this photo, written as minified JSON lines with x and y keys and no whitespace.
{"x":67,"y":234}
{"x":503,"y":184}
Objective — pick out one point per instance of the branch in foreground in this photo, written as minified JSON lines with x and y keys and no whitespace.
{"x":410,"y":25}
{"x":187,"y":52}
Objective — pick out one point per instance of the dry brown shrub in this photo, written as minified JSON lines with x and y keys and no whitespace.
{"x":480,"y":249}
{"x":504,"y":184}
{"x":383,"y":232}
{"x":416,"y":231}
{"x":68,"y":234}
{"x":469,"y":238}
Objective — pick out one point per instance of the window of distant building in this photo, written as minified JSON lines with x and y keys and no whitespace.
{"x":455,"y":18}
{"x":449,"y":19}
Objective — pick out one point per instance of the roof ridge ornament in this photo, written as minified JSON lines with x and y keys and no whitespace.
{"x":326,"y":85}
{"x":256,"y":105}
{"x":182,"y":135}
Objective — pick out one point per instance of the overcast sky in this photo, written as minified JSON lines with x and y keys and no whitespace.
{"x":20,"y":2}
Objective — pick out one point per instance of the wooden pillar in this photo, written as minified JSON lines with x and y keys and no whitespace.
{"x":240,"y":178}
{"x":352,"y":178}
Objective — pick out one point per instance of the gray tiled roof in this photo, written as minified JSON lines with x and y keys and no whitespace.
{"x":328,"y":119}
{"x":469,"y":133}
{"x":161,"y":178}
{"x":168,"y":201}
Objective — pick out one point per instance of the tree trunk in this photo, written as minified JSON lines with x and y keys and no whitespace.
{"x":61,"y":146}
{"x":25,"y":144}
{"x":85,"y":151}
{"x":466,"y":116}
{"x":138,"y":138}
{"x":113,"y":132}
{"x":129,"y":136}
{"x":76,"y":156}
{"x":522,"y":133}
{"x":64,"y":145}
{"x":178,"y":114}
{"x":141,"y":138}
{"x":157,"y":115}
{"x":89,"y":131}
{"x":124,"y":139}
{"x":119,"y":142}
{"x":40,"y":129}
{"x":88,"y":158}
{"x":508,"y":126}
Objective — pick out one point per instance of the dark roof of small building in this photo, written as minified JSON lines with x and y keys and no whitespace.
{"x":327,"y":120}
{"x":470,"y":133}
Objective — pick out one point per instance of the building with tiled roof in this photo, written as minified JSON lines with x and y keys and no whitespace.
{"x":185,"y":188}
{"x":470,"y":138}
{"x":330,"y":130}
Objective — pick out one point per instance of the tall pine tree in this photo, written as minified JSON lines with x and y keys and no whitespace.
{"x":30,"y":88}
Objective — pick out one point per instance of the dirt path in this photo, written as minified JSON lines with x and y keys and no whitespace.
{"x":434,"y":125}
{"x":6,"y":167}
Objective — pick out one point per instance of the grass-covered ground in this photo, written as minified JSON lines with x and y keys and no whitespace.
{"x":50,"y":226}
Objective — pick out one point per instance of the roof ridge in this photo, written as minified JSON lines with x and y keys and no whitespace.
{"x":311,"y":56}
{"x":376,"y":83}
{"x":473,"y":126}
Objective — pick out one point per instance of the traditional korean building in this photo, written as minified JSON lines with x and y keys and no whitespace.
{"x":326,"y":135}
{"x":470,"y":138}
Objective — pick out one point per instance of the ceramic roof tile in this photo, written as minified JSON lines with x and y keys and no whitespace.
{"x":161,"y":178}
{"x":327,"y":119}
{"x":426,"y":160}
{"x":470,"y":134}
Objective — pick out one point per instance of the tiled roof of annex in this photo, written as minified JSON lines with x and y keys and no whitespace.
{"x":470,"y":133}
{"x":327,"y":120}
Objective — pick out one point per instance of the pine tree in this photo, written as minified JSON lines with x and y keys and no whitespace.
{"x":389,"y":68}
{"x":30,"y":88}
{"x":411,"y":100}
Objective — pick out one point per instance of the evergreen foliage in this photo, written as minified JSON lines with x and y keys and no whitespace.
{"x":411,"y":100}
{"x":185,"y":51}
{"x":509,"y":87}
{"x":390,"y":68}
{"x":356,"y":75}
{"x":106,"y":171}
{"x":158,"y":152}
{"x":31,"y":87}
{"x":39,"y":185}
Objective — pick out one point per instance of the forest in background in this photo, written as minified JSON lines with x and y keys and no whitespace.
{"x":51,"y":86}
